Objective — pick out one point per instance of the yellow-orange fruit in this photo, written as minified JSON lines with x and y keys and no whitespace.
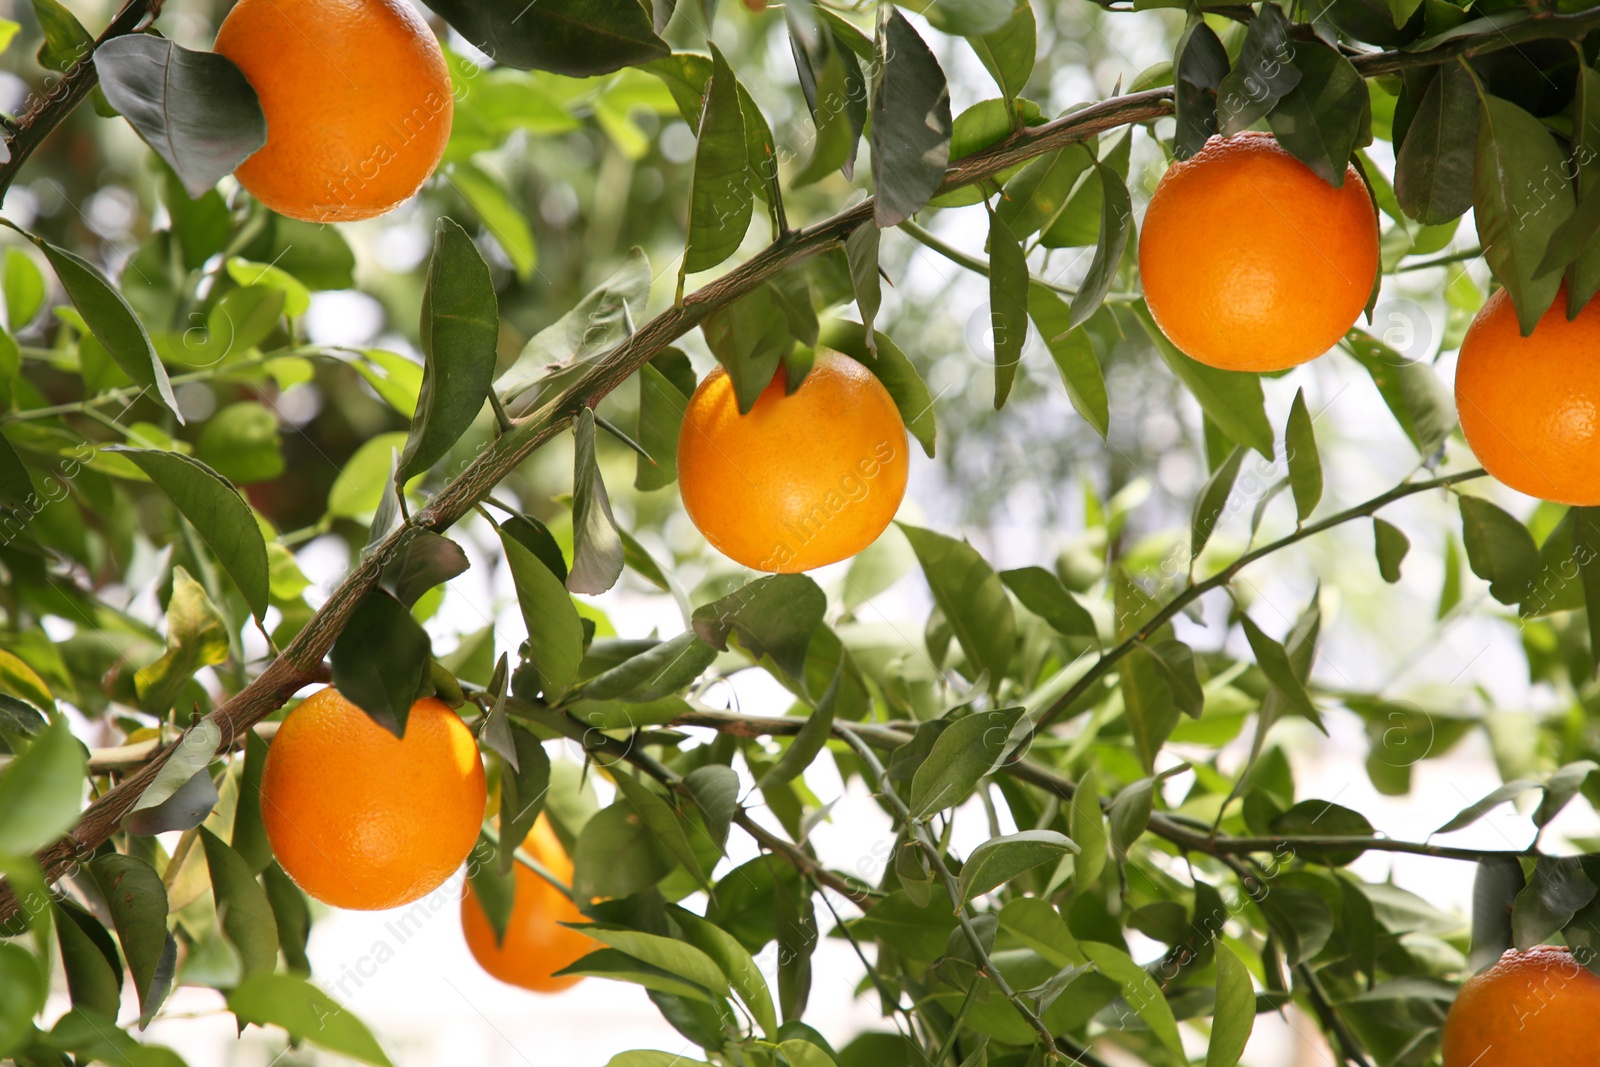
{"x":1530,"y":406}
{"x":357,"y":100}
{"x":536,"y":944}
{"x":1250,"y":261}
{"x":1537,"y":1008}
{"x":802,"y":480}
{"x":362,"y":819}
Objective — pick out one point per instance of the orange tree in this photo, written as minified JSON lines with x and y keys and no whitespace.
{"x":186,"y":427}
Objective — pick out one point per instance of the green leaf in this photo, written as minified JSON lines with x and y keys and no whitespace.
{"x":524,"y":784}
{"x":1042,"y":593}
{"x":1199,"y":64}
{"x":665,"y":823}
{"x":1008,"y":305}
{"x":138,"y":904}
{"x":1231,"y":399}
{"x":1273,"y":659}
{"x":1325,"y":819}
{"x":1500,"y":550}
{"x":421,"y":561}
{"x":1175,"y":661}
{"x":89,"y":958}
{"x":961,"y":756}
{"x":578,"y":38}
{"x":721,"y":195}
{"x":621,"y":967}
{"x":66,"y":42}
{"x":23,"y":284}
{"x":1520,"y":197}
{"x":749,"y":337}
{"x":1391,"y":546}
{"x":380,"y":660}
{"x":649,"y":1058}
{"x":1141,"y":992}
{"x":663,"y":669}
{"x":249,"y":834}
{"x":773,"y":616}
{"x":734,"y":961}
{"x":460,"y":329}
{"x":1583,"y":276}
{"x":1008,"y":52}
{"x":307,"y":1013}
{"x":1000,"y":859}
{"x":894,"y":369}
{"x":196,"y":109}
{"x":242,"y":908}
{"x":617,"y":855}
{"x":1495,"y":887}
{"x":1327,"y":115}
{"x":1212,"y":502}
{"x":1039,"y":926}
{"x":1560,"y":788}
{"x":197,"y":637}
{"x":1116,"y":219}
{"x":1041,"y":191}
{"x":1493,"y":799}
{"x":503,"y":219}
{"x":1558,"y":889}
{"x":663,"y":399}
{"x":837,"y":134}
{"x":111,"y":319}
{"x":292,"y":913}
{"x":816,"y":45}
{"x":41,"y":791}
{"x":1087,"y":827}
{"x":26,"y":990}
{"x":1234,"y":1011}
{"x":1129,"y":814}
{"x":1420,"y":403}
{"x":910,"y":121}
{"x":1263,"y":74}
{"x":596,"y":547}
{"x":1433,"y":167}
{"x":1586,"y":550}
{"x":668,"y":954}
{"x":1073,"y":354}
{"x":555,"y":634}
{"x":241,"y":442}
{"x":1300,"y":451}
{"x":217,"y":512}
{"x":972,"y":598}
{"x":191,"y":755}
{"x":809,"y":741}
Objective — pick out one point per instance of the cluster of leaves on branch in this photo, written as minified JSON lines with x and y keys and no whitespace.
{"x":1042,"y":697}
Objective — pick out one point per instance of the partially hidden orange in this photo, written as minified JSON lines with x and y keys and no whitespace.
{"x":802,"y":480}
{"x":536,"y":945}
{"x":1539,"y":1008}
{"x":357,"y":100}
{"x":362,"y":819}
{"x":1530,"y":406}
{"x":1252,"y":262}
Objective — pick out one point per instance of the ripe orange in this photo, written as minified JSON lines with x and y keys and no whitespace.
{"x":357,"y":100}
{"x":536,"y":945}
{"x":1530,"y":406}
{"x":1532,"y":1009}
{"x":802,"y":480}
{"x":362,"y":819}
{"x":1252,"y":262}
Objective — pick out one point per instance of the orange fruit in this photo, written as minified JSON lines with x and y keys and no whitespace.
{"x":362,"y":819}
{"x":357,"y":100}
{"x":802,"y":480}
{"x":1532,"y":1009}
{"x":536,"y":945}
{"x":1252,"y":262}
{"x":1530,"y":406}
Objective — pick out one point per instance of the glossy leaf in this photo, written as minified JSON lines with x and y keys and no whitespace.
{"x":911,"y":121}
{"x":1520,"y":197}
{"x":242,"y":908}
{"x":961,"y":756}
{"x":1300,"y":451}
{"x":1008,"y":52}
{"x":1199,"y":64}
{"x":1261,"y":76}
{"x":1042,"y":593}
{"x":555,"y":635}
{"x":749,"y":337}
{"x":578,"y":38}
{"x":1116,"y":219}
{"x":971,"y":596}
{"x":307,"y":1013}
{"x":721,"y":196}
{"x":1234,"y":1013}
{"x":1000,"y":859}
{"x":1412,"y":391}
{"x":1500,"y":550}
{"x":380,"y":660}
{"x":1433,"y":167}
{"x":523,"y":789}
{"x":663,"y":399}
{"x":1211,"y":504}
{"x":1008,"y":305}
{"x":895,"y":370}
{"x":138,"y":903}
{"x":773,"y":616}
{"x":1327,"y":115}
{"x":1074,"y":356}
{"x":1231,"y":399}
{"x":1273,"y":659}
{"x":809,"y":741}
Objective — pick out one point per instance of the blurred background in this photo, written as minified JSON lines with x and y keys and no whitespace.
{"x":559,"y":178}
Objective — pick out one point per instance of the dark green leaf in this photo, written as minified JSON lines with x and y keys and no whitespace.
{"x":307,"y":1013}
{"x":493,"y":884}
{"x":722,"y":196}
{"x":972,"y":598}
{"x":138,"y":904}
{"x":1175,"y":661}
{"x":910,"y":121}
{"x":621,"y":967}
{"x":809,"y":741}
{"x":773,"y":616}
{"x":1419,"y":401}
{"x":596,"y":548}
{"x":617,"y":854}
{"x":16,"y":487}
{"x":1042,"y":593}
{"x":663,"y":669}
{"x":111,"y":319}
{"x":249,"y":835}
{"x":421,"y":561}
{"x":1287,"y":681}
{"x":1433,"y":166}
{"x":1129,"y":814}
{"x":1231,"y":399}
{"x":662,"y":402}
{"x":1521,"y":195}
{"x":1391,"y":546}
{"x":1199,"y":64}
{"x":1234,"y":1011}
{"x":292,"y":913}
{"x":1263,"y":73}
{"x":41,"y":791}
{"x":892,"y":367}
{"x":578,"y":38}
{"x":837,"y":135}
{"x":1323,"y":818}
{"x":1073,"y":354}
{"x":89,"y":958}
{"x":1008,"y":52}
{"x":1560,"y":788}
{"x":217,"y":511}
{"x":1212,"y":502}
{"x":194,"y":108}
{"x":749,"y":337}
{"x":536,"y":537}
{"x":26,"y":991}
{"x":1000,"y":859}
{"x":242,"y":908}
{"x":460,"y":329}
{"x":1327,"y":115}
{"x":1558,"y":889}
{"x":1498,"y":882}
{"x":1008,"y":305}
{"x":961,"y":756}
{"x":716,"y":791}
{"x":1586,"y":551}
{"x":734,"y":961}
{"x":380,"y":660}
{"x":1478,"y":809}
{"x":1116,"y":219}
{"x":1041,"y":191}
{"x":555,"y":634}
{"x":816,"y":45}
{"x":861,"y":252}
{"x":1305,"y":466}
{"x":524,"y":784}
{"x":1500,"y":550}
{"x":1140,"y":991}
